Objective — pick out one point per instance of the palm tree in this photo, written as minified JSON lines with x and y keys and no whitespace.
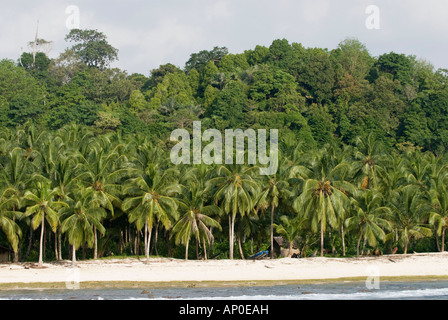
{"x":15,"y":177}
{"x":274,"y":188}
{"x":438,"y":195}
{"x":104,"y":170}
{"x":150,"y":197}
{"x":418,"y":168}
{"x":7,"y":219}
{"x":195,"y":218}
{"x":409,"y":208}
{"x":236,"y":191}
{"x":43,"y":207}
{"x":369,"y":217}
{"x":324,"y":197}
{"x":81,"y":220}
{"x":368,"y":155}
{"x":102,"y":174}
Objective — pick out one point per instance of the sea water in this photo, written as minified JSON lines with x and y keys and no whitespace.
{"x":387,"y":290}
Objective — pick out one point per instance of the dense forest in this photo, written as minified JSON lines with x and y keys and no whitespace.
{"x":85,"y":166}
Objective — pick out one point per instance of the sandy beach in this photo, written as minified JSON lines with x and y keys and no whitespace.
{"x":165,"y":270}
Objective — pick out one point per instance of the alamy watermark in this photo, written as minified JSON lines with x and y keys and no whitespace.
{"x":373,"y":20}
{"x":257,"y":153}
{"x":73,"y":20}
{"x":373,"y":278}
{"x":72,"y":281}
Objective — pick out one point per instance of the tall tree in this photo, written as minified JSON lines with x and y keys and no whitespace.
{"x":324,"y":199}
{"x":370,"y":217}
{"x":235,"y":190}
{"x":195,"y":218}
{"x":151,"y":198}
{"x":409,"y":208}
{"x":81,"y":218}
{"x":43,"y":207}
{"x":92,"y":47}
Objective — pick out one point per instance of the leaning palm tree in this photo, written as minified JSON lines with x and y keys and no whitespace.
{"x":81,"y":219}
{"x":410,"y":211}
{"x":41,"y":204}
{"x":15,"y":176}
{"x":151,"y":197}
{"x":236,"y":191}
{"x":196,"y":218}
{"x":369,"y":218}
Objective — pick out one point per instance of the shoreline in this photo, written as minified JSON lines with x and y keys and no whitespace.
{"x":168,"y":272}
{"x":199,"y":284}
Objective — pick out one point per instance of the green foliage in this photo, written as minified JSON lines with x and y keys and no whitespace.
{"x":375,"y":117}
{"x":92,"y":47}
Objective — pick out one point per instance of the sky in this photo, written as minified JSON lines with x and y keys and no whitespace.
{"x":152,"y":32}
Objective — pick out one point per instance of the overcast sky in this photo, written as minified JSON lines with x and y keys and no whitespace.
{"x":150,"y":33}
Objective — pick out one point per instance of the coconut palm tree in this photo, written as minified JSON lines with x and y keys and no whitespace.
{"x":369,"y":218}
{"x":418,"y":168}
{"x":8,"y":219}
{"x":438,"y":195}
{"x":15,"y":177}
{"x":41,"y":204}
{"x":409,"y":213}
{"x":104,"y":170}
{"x":81,"y":219}
{"x":274,"y":188}
{"x":368,"y":155}
{"x":151,"y":197}
{"x":196,"y":218}
{"x":236,"y":191}
{"x":324,"y":197}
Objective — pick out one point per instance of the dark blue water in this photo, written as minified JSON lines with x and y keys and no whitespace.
{"x":385,"y":290}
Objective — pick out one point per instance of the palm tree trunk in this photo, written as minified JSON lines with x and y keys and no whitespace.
{"x":231,"y":224}
{"x":149,"y":230}
{"x":240,"y":246}
{"x":343,"y":239}
{"x":210,"y":245}
{"x":186,"y":250}
{"x":321,"y":238}
{"x":74,"y":255}
{"x":41,"y":239}
{"x":56,"y":245}
{"x":136,"y":243}
{"x":272,"y":230}
{"x":30,"y":243}
{"x":364,"y":245}
{"x":437,"y":240}
{"x":358,"y":244}
{"x":156,"y":235}
{"x":406,"y":247}
{"x":205,"y":249}
{"x":59,"y":244}
{"x":145,"y":238}
{"x":443,"y":239}
{"x":197,"y":249}
{"x":95,"y":241}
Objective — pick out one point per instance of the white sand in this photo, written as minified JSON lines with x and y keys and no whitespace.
{"x":165,"y":270}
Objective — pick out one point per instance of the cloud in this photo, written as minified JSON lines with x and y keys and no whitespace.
{"x":217,"y":10}
{"x":150,"y":33}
